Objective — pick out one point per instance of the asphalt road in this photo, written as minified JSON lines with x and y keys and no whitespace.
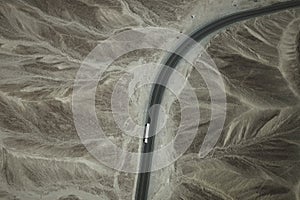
{"x":156,"y":96}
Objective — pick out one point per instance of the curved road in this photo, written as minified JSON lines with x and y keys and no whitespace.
{"x":172,"y":61}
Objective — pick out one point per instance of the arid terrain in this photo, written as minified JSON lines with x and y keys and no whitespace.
{"x":257,"y":156}
{"x":42,"y":45}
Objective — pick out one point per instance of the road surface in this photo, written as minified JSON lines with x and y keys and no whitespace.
{"x":172,"y":61}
